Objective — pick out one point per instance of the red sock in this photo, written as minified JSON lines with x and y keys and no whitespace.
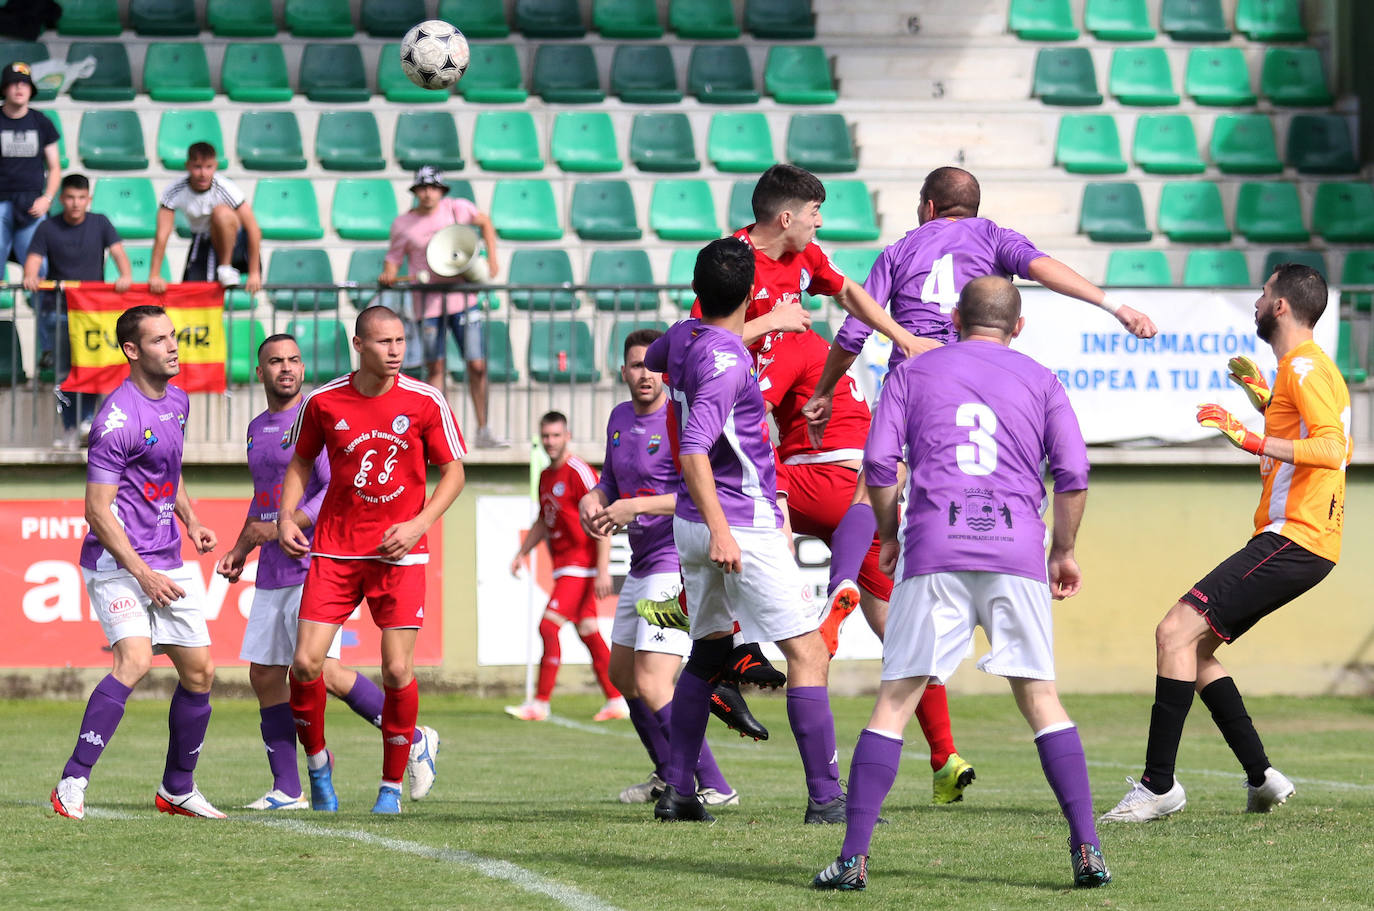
{"x":307,"y":707}
{"x":400,"y":708}
{"x":932,"y":713}
{"x":601,"y":663}
{"x":553,"y":657}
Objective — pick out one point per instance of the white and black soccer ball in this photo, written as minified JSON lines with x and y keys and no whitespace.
{"x":434,"y":54}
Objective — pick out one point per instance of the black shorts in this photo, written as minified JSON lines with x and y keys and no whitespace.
{"x":200,"y":260}
{"x":1261,"y":577}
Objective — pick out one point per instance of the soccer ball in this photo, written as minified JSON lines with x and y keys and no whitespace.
{"x":434,"y":54}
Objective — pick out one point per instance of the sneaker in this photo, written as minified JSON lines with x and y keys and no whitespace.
{"x":842,"y":602}
{"x":713,"y":798}
{"x":675,"y":807}
{"x":1141,"y":804}
{"x":322,"y":796}
{"x":193,"y":804}
{"x":729,"y":706}
{"x":847,"y":874}
{"x":276,"y":800}
{"x":485,"y":439}
{"x":951,"y":780}
{"x":1089,"y":867}
{"x":423,"y":752}
{"x":667,"y":614}
{"x":1275,"y":790}
{"x":534,"y":710}
{"x":388,"y":801}
{"x":66,"y":442}
{"x":830,"y":813}
{"x":645,"y":791}
{"x":227,"y":276}
{"x":69,"y":798}
{"x":84,"y":431}
{"x":747,"y":664}
{"x":614,"y":710}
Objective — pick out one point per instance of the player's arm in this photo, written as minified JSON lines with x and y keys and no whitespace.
{"x":110,"y":533}
{"x":401,"y":537}
{"x":625,"y":510}
{"x":791,"y":317}
{"x":701,"y":486}
{"x":1327,"y":444}
{"x":1061,"y":279}
{"x":166,"y":221}
{"x":252,"y":233}
{"x":882,"y":455}
{"x":817,"y":408}
{"x":537,"y":533}
{"x":1065,"y":577}
{"x":603,"y":587}
{"x":126,"y":269}
{"x":253,"y":534}
{"x":290,"y":537}
{"x":203,"y":538}
{"x":860,"y":304}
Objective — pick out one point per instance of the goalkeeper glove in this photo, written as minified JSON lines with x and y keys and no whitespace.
{"x":1246,"y":374}
{"x":1220,"y":419}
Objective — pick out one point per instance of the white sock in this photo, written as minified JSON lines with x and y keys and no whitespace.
{"x":1050,"y":729}
{"x":317,"y":761}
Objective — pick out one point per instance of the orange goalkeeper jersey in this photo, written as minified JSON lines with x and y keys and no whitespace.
{"x":1305,"y":501}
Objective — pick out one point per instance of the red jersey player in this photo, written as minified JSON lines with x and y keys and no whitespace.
{"x":379,"y":429}
{"x":581,"y":571}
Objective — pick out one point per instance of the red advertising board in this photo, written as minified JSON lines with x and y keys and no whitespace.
{"x":46,"y":613}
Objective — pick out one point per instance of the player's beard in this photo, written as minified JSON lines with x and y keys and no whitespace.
{"x":1265,"y":325}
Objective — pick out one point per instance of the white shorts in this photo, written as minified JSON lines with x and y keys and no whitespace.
{"x":269,"y":637}
{"x":768,"y":599}
{"x":125,"y":611}
{"x":931,"y":618}
{"x":633,"y":631}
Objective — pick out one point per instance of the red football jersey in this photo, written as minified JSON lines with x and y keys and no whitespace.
{"x":378,"y":447}
{"x":560,"y":490}
{"x":788,"y":371}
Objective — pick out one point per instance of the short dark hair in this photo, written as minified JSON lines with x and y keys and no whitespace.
{"x":639,"y":337}
{"x":954,"y":191}
{"x":198,"y":151}
{"x":783,"y":184}
{"x":1304,"y":289}
{"x":273,"y":339}
{"x":75,"y":182}
{"x":127,"y":326}
{"x":724,"y":276}
{"x":553,"y":417}
{"x":989,"y":302}
{"x":374,"y":314}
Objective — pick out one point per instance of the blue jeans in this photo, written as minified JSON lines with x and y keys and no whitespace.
{"x":13,"y":236}
{"x":55,"y":352}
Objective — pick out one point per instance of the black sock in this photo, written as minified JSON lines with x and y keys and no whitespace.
{"x":1173,"y":698}
{"x":1228,"y":711}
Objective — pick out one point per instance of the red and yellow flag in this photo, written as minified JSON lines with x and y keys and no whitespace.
{"x":98,"y":364}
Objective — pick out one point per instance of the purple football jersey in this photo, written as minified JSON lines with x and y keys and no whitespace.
{"x":977,"y":420}
{"x":720,"y":413}
{"x":268,"y":456}
{"x":136,"y":443}
{"x":639,"y":463}
{"x":920,"y":276}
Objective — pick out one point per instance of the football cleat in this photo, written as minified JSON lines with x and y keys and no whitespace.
{"x":1089,"y":867}
{"x":276,"y":800}
{"x":951,"y":780}
{"x":747,"y":664}
{"x":322,"y":796}
{"x":193,"y":804}
{"x":828,"y":813}
{"x":614,"y":710}
{"x":729,"y":706}
{"x":675,"y":807}
{"x":388,"y":801}
{"x":667,"y":614}
{"x":69,"y":798}
{"x":534,"y":710}
{"x":842,"y":602}
{"x":645,"y":791}
{"x":1141,"y":804}
{"x":713,"y":798}
{"x":847,"y":874}
{"x":1275,"y":790}
{"x":423,"y":752}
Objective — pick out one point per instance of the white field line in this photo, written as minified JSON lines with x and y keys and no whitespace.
{"x":1238,"y":775}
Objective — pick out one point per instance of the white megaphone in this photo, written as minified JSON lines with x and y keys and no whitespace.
{"x":452,"y":251}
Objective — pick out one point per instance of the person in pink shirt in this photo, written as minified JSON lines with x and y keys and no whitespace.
{"x":459,"y":311}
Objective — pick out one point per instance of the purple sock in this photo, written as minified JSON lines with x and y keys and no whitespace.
{"x":187,"y":720}
{"x":808,"y":712}
{"x":646,"y":726}
{"x":1061,"y":756}
{"x":850,"y":543}
{"x":664,"y":717}
{"x":366,"y":700}
{"x":709,"y":774}
{"x":279,"y":736}
{"x":691,"y":708}
{"x":872,"y":770}
{"x":103,"y":711}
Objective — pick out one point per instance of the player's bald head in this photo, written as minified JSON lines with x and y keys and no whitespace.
{"x":954,"y":192}
{"x":989,"y":305}
{"x":371,"y":319}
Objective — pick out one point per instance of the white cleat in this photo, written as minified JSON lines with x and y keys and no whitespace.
{"x":421,"y":763}
{"x":277,"y":800}
{"x":1141,"y":804}
{"x":614,"y":710}
{"x":69,"y":798}
{"x":712,"y":798}
{"x":1275,"y":790}
{"x":193,"y":804}
{"x":645,"y":791}
{"x":529,"y":711}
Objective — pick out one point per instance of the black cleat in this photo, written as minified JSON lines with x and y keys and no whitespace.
{"x":1089,"y":867}
{"x":729,"y":706}
{"x":847,"y":874}
{"x":831,"y":813}
{"x":675,"y":807}
{"x":748,"y":665}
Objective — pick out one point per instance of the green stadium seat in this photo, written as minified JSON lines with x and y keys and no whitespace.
{"x":476,"y":18}
{"x":1089,"y":144}
{"x":584,"y":141}
{"x":89,"y":17}
{"x":626,"y":18}
{"x":1218,"y":76}
{"x":1343,"y":213}
{"x":740,"y":142}
{"x":821,"y":143}
{"x":139,"y":259}
{"x":11,"y":356}
{"x":663,"y":143}
{"x":333,"y":73}
{"x":177,"y":72}
{"x":1359,"y":270}
{"x":363,"y":209}
{"x":604,"y":210}
{"x":620,"y":330}
{"x":1142,"y":76}
{"x":500,"y":361}
{"x":721,"y":74}
{"x":549,"y":18}
{"x":1113,"y":213}
{"x":286,"y":209}
{"x":427,"y":137}
{"x":493,"y":75}
{"x":622,"y":267}
{"x":61,"y":139}
{"x":391,"y":18}
{"x":1118,"y":20}
{"x":393,"y":82}
{"x":562,"y":351}
{"x":822,"y":328}
{"x":1166,"y":144}
{"x":541,"y":267}
{"x":1065,"y":76}
{"x":112,"y":80}
{"x":301,"y":266}
{"x":270,"y":141}
{"x":164,"y":17}
{"x":111,"y":141}
{"x":182,"y":226}
{"x":364,"y":265}
{"x":1193,"y":20}
{"x":1190,"y":212}
{"x":1216,"y":268}
{"x":1320,"y":144}
{"x":566,"y":74}
{"x":740,"y":212}
{"x":1294,"y":76}
{"x":683,"y":210}
{"x":1245,"y":144}
{"x":129,"y":203}
{"x":1270,"y":212}
{"x":1270,"y":20}
{"x":29,"y":52}
{"x":681,"y":265}
{"x":1042,"y":20}
{"x":856,"y":262}
{"x":1312,"y":258}
{"x":319,"y":18}
{"x":703,"y":19}
{"x":176,"y":130}
{"x":848,"y":212}
{"x":255,"y":73}
{"x":506,"y":141}
{"x":242,"y":336}
{"x":325,"y":347}
{"x":781,"y":20}
{"x":1138,"y":269}
{"x":349,"y":141}
{"x":798,"y":74}
{"x":461,"y":188}
{"x":241,"y":18}
{"x":644,"y":74}
{"x":525,"y":210}
{"x":1346,"y":359}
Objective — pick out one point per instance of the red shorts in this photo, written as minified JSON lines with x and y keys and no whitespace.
{"x":574,"y":597}
{"x":818,"y":496}
{"x":395,"y":594}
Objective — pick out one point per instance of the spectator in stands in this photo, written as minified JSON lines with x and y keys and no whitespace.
{"x":28,"y":147}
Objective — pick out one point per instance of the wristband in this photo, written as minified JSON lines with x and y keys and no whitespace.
{"x":1109,"y":305}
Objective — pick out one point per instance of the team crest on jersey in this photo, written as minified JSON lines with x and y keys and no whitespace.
{"x":655,"y":441}
{"x":615,"y":439}
{"x":149,"y":438}
{"x":181,"y":419}
{"x":559,"y":488}
{"x":401,"y":424}
{"x":805,"y":280}
{"x":250,"y":442}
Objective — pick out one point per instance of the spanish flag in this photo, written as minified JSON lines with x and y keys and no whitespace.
{"x":98,"y":364}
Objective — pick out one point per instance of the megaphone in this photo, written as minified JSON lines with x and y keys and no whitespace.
{"x":452,"y":251}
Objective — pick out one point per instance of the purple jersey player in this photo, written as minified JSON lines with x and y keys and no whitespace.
{"x":976,"y":421}
{"x":131,"y":561}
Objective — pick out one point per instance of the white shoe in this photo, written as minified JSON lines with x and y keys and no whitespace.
{"x":485,"y":439}
{"x":645,"y":791}
{"x":84,"y":431}
{"x":193,"y":804}
{"x":1141,"y":804}
{"x":227,"y":276}
{"x":69,"y":798}
{"x":614,"y":710}
{"x":712,"y":798}
{"x":421,"y":763}
{"x":277,"y":800}
{"x":533,"y":710}
{"x":1275,"y":790}
{"x":67,"y":442}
